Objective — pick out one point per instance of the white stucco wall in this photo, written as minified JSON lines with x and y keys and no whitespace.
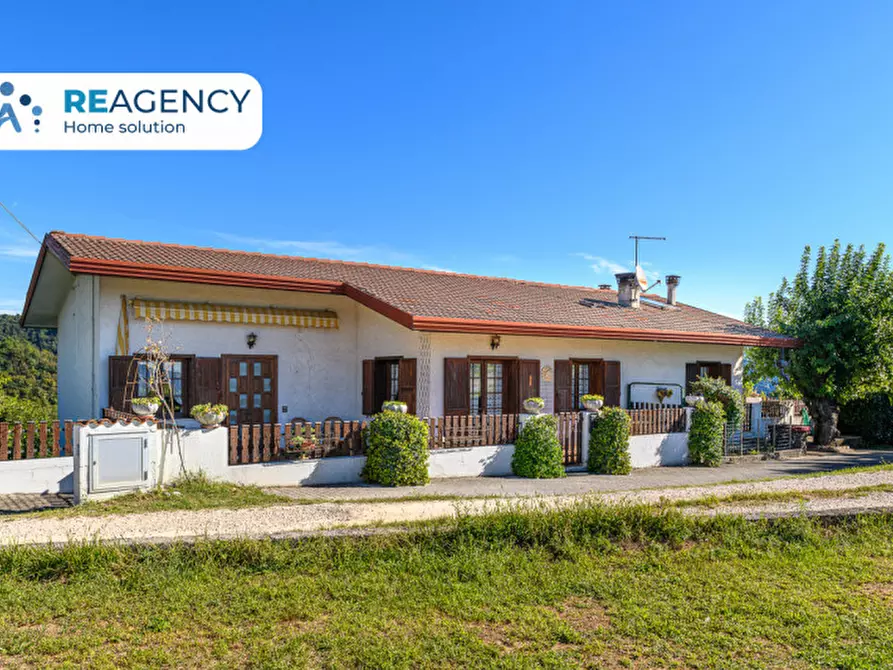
{"x":37,"y":475}
{"x":661,"y":362}
{"x":76,"y":352}
{"x":320,"y":371}
{"x":648,"y":451}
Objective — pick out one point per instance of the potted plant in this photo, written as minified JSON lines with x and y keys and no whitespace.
{"x":393,"y":406}
{"x":209,"y":415}
{"x":303,"y":443}
{"x":663,"y":393}
{"x":534,"y":405}
{"x":592,"y":402}
{"x":146,"y":406}
{"x":691,"y":400}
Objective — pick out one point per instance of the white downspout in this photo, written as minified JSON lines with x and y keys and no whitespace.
{"x":94,"y":322}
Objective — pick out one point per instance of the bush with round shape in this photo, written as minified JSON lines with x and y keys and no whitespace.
{"x":715,"y":389}
{"x":396,"y":450}
{"x":609,"y":443}
{"x":705,"y":441}
{"x":538,"y":453}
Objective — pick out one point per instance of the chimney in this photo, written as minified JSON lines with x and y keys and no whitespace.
{"x":628,"y":290}
{"x":672,"y":283}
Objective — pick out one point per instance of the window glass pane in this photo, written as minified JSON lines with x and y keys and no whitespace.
{"x":267,"y":416}
{"x":393,"y":381}
{"x":257,"y":402}
{"x":174,"y":377}
{"x":243,"y":401}
{"x":233,"y":384}
{"x":257,"y":371}
{"x":142,"y":371}
{"x":268,"y":385}
{"x":494,"y":388}
{"x":232,"y":416}
{"x":475,"y":388}
{"x":243,"y":369}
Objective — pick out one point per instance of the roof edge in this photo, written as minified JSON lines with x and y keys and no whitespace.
{"x":84,"y":265}
{"x":443,"y":325}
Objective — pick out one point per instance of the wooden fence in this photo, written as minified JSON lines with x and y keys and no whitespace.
{"x":35,"y":440}
{"x":449,"y":432}
{"x":657,"y":421}
{"x":654,"y":405}
{"x":270,"y":442}
{"x":569,"y":426}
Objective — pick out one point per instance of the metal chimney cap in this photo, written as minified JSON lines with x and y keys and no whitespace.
{"x":673,"y":279}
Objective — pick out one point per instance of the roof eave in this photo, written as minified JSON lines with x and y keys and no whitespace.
{"x":443,"y":325}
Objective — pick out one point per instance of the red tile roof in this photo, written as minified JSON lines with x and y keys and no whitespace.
{"x":421,"y":299}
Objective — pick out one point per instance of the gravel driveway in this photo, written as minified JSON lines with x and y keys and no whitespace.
{"x":285,"y":519}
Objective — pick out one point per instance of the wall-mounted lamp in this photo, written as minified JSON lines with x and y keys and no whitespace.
{"x":251,"y":340}
{"x":495,"y":341}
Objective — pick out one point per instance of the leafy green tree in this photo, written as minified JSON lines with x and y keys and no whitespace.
{"x":609,"y":443}
{"x":538,"y":453}
{"x":28,"y":373}
{"x":840,"y":307}
{"x":42,"y":338}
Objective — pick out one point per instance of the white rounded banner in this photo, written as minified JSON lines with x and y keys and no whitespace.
{"x":130,"y":111}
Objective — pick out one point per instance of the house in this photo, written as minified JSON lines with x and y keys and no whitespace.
{"x":277,"y":337}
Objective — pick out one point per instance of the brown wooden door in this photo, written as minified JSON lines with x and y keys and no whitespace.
{"x":250,"y":384}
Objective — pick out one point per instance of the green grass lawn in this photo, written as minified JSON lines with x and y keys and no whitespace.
{"x":194,"y":492}
{"x":588,"y":586}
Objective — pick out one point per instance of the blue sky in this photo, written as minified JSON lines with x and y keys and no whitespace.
{"x":516,"y":138}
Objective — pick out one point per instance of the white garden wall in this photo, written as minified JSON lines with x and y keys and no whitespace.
{"x":37,"y":475}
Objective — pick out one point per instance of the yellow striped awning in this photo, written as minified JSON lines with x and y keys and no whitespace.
{"x":235,"y":314}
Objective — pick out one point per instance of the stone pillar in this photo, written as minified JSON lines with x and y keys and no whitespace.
{"x":586,"y":420}
{"x":423,"y":376}
{"x":688,"y":412}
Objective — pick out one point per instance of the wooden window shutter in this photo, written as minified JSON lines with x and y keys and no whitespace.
{"x":407,"y":382}
{"x":529,"y":371}
{"x":455,"y":387}
{"x":596,"y":378}
{"x":511,"y":388}
{"x":726,"y":373}
{"x":691,"y":375}
{"x":369,"y":387}
{"x":612,"y":383}
{"x":119,"y":367}
{"x":207,"y":374}
{"x":563,"y":387}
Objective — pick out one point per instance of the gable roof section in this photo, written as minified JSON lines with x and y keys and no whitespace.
{"x":424,"y":300}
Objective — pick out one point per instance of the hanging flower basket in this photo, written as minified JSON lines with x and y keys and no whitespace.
{"x":534,"y":405}
{"x":692,"y":400}
{"x":394,"y":406}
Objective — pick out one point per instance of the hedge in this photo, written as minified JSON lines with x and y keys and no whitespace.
{"x":705,"y":441}
{"x":717,"y":390}
{"x":609,"y":443}
{"x":870,"y":418}
{"x":396,"y":450}
{"x":538,"y":453}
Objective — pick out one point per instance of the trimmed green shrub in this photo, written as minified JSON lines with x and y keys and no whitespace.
{"x":396,"y":450}
{"x":538,"y":453}
{"x":715,"y":389}
{"x":705,"y":440}
{"x":870,"y":418}
{"x":609,"y":443}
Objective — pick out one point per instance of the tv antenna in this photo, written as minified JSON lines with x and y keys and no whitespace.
{"x":643,"y":237}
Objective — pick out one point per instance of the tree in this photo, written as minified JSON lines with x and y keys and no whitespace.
{"x":28,"y":373}
{"x":841,"y":309}
{"x":42,"y":338}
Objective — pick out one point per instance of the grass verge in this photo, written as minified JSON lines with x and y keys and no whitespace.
{"x":192,"y":493}
{"x":584,"y":586}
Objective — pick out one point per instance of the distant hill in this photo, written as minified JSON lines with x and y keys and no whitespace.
{"x":42,"y":338}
